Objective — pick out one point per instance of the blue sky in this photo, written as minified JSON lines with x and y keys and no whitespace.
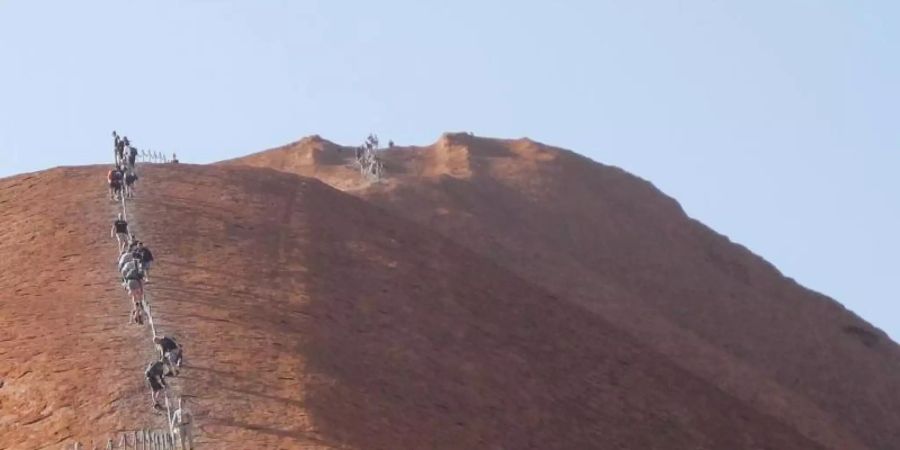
{"x":775,"y":122}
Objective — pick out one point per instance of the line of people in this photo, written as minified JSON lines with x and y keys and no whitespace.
{"x":369,"y":163}
{"x":134,"y":263}
{"x":122,"y":176}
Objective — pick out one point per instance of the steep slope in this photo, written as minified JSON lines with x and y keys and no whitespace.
{"x":316,"y":319}
{"x":613,"y":244}
{"x":312,"y":319}
{"x":70,"y":366}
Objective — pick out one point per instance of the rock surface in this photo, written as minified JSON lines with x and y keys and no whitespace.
{"x":495,"y":294}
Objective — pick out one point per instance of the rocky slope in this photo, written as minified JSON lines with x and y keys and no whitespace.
{"x":610,"y":243}
{"x":313,"y":319}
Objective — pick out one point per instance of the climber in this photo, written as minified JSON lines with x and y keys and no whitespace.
{"x":116,"y":145}
{"x":145,"y":256}
{"x":169,"y":352}
{"x":120,"y":150}
{"x":132,"y":242}
{"x":132,"y":279}
{"x":157,"y":381}
{"x":132,"y":157}
{"x":182,"y":420}
{"x":120,"y":232}
{"x":114,"y":178}
{"x":130,"y":178}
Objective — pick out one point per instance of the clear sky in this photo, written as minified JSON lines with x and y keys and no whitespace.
{"x":776,"y":122}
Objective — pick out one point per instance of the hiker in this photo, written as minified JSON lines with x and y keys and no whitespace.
{"x":130,"y":178}
{"x":125,"y":258}
{"x":169,"y":352}
{"x":182,"y":420}
{"x":120,"y":231}
{"x":114,"y":178}
{"x":116,"y":145}
{"x":132,"y":157}
{"x":120,"y":150}
{"x":157,"y":381}
{"x":145,"y":256}
{"x":132,"y":279}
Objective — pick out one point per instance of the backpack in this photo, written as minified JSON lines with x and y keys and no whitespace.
{"x":133,"y":272}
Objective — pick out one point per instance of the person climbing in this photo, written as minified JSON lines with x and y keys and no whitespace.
{"x":182,"y":419}
{"x":133,"y":281}
{"x":120,"y":232}
{"x":156,"y":379}
{"x":114,"y":178}
{"x":130,"y":178}
{"x":116,"y":141}
{"x":169,"y":352}
{"x":132,"y":157}
{"x":121,"y":143}
{"x":125,"y":258}
{"x":132,"y":242}
{"x":145,"y":256}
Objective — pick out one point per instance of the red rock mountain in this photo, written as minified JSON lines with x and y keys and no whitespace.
{"x":487,"y":294}
{"x":609,"y":242}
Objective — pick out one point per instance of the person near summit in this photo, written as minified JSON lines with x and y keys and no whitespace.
{"x":155,"y":375}
{"x":132,"y":157}
{"x":117,"y":146}
{"x":114,"y":178}
{"x":170,"y":352}
{"x":120,"y":232}
{"x":130,"y":178}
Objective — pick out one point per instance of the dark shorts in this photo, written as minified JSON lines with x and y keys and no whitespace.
{"x":154,"y":385}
